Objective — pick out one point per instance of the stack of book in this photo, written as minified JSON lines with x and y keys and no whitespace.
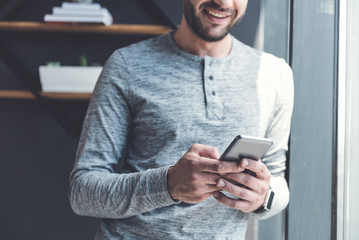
{"x":80,"y":13}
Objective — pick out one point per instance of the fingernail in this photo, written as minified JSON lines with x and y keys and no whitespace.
{"x":245,"y":162}
{"x":221,"y":183}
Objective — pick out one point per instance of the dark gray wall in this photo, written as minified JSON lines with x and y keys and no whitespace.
{"x":36,"y":153}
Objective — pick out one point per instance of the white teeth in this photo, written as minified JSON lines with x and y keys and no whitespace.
{"x":217,"y":14}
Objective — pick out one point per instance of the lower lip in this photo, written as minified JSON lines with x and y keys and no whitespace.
{"x":215,"y":19}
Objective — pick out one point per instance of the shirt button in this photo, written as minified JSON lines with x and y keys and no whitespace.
{"x":213,"y":93}
{"x":210,"y":77}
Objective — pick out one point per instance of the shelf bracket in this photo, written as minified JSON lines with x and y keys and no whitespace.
{"x":20,"y":72}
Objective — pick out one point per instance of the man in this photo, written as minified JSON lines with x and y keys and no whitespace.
{"x":157,"y":98}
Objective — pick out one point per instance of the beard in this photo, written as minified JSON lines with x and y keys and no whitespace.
{"x":195,"y":23}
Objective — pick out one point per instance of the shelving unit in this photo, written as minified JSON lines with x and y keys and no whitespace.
{"x":32,"y":91}
{"x":133,"y":29}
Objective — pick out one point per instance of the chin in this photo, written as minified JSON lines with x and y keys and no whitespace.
{"x":212,"y":37}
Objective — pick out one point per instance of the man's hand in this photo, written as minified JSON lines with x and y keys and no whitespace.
{"x":193,"y":178}
{"x":252,"y":189}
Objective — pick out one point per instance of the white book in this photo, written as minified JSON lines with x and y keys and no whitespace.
{"x":58,"y":11}
{"x":79,"y":19}
{"x":84,"y":6}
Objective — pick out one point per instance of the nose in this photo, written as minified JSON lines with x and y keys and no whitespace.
{"x":225,"y":4}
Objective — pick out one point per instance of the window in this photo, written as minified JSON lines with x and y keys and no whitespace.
{"x":348,"y":122}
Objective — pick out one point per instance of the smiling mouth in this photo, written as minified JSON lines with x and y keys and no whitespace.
{"x":216,"y":14}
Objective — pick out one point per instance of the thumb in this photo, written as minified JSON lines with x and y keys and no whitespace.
{"x":205,"y":151}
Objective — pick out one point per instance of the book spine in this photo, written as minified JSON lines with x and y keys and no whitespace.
{"x":94,"y":13}
{"x":55,"y":18}
{"x":85,"y":6}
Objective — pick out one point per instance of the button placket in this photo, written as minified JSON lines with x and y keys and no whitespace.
{"x":214,"y":105}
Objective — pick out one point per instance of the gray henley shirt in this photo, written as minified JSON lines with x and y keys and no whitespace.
{"x":151,"y":103}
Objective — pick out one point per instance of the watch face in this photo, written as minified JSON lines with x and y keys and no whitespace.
{"x":267,"y":204}
{"x":270,"y":199}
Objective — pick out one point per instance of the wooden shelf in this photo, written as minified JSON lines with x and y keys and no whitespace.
{"x":16,"y":94}
{"x":85,"y":28}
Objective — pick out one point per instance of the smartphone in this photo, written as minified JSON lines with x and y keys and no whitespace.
{"x":246,"y":147}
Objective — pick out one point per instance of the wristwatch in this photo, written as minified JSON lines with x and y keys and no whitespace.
{"x":267,"y":203}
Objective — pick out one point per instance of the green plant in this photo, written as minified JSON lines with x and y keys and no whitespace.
{"x":83,"y":61}
{"x":53,"y":64}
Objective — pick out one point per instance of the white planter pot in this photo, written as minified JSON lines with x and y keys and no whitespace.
{"x":68,"y":78}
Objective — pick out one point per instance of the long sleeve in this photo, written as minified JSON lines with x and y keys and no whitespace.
{"x":95,"y":187}
{"x":278,"y":131}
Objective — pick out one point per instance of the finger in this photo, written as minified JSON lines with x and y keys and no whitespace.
{"x":208,"y":178}
{"x":257,"y":167}
{"x":200,"y":198}
{"x":239,"y":191}
{"x":199,"y":190}
{"x":238,"y":204}
{"x":205,"y":151}
{"x":245,"y":179}
{"x":215,"y":166}
{"x":211,"y":188}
